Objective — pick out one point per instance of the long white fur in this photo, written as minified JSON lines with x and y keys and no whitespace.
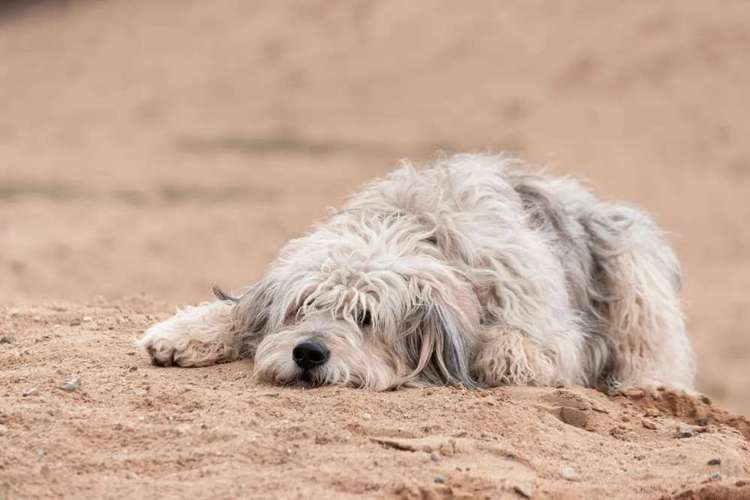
{"x":472,"y":271}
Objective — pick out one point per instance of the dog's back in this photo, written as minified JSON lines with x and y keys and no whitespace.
{"x":597,"y":270}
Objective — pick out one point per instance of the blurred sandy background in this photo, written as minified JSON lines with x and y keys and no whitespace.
{"x":158,"y":147}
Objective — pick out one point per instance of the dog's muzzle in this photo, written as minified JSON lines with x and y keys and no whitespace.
{"x":310,"y":354}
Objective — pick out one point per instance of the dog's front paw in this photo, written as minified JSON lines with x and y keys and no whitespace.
{"x":195,"y":336}
{"x":164,"y":345}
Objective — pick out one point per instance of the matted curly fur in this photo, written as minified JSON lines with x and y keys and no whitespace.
{"x":471,"y":271}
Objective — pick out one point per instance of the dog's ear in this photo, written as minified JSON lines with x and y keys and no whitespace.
{"x":254,"y":308}
{"x":439,"y":346}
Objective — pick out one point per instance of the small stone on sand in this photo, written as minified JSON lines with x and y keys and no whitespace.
{"x":526,"y":491}
{"x":648,"y":424}
{"x":568,"y":473}
{"x":71,"y":385}
{"x":574,"y":417}
{"x":686,"y":431}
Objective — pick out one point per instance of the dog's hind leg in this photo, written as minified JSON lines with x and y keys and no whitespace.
{"x":195,"y":336}
{"x":508,"y":357}
{"x":640,"y":279}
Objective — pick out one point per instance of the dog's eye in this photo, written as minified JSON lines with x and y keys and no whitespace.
{"x":364,"y":319}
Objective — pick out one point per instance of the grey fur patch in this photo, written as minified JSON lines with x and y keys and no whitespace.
{"x":439,"y":351}
{"x":578,"y":248}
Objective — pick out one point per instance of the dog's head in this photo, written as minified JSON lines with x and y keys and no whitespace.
{"x":372,"y":304}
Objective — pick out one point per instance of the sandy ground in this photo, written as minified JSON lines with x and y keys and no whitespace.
{"x":132,"y":430}
{"x":151,"y":149}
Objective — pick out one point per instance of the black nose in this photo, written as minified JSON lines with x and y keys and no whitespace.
{"x":310,"y":354}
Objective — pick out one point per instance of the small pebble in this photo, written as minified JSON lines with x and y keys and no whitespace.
{"x":648,"y":424}
{"x":714,"y":461}
{"x":439,"y":479}
{"x":568,"y":473}
{"x":526,"y":491}
{"x":29,"y":392}
{"x":435,"y":457}
{"x":366,"y":416}
{"x":716,"y":476}
{"x":702,"y":421}
{"x":652,"y":412}
{"x":87,"y":318}
{"x":634,"y":393}
{"x":7,"y":339}
{"x":71,"y":385}
{"x":685,"y":431}
{"x":574,"y":417}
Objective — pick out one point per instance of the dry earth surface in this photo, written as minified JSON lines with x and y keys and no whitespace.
{"x":126,"y":429}
{"x":151,"y":149}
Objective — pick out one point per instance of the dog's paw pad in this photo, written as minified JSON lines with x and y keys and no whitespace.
{"x":160,"y":346}
{"x":161,"y":357}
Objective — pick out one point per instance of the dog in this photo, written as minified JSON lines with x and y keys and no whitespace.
{"x":471,"y":271}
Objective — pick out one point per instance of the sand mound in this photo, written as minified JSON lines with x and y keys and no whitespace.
{"x":131,"y":430}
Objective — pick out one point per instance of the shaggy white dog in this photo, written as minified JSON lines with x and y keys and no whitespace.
{"x":470,"y":271}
